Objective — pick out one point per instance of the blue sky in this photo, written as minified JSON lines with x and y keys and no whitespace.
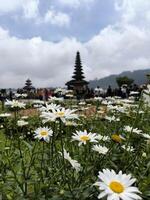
{"x":86,"y":20}
{"x":39,"y":39}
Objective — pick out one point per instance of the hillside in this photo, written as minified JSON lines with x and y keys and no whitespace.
{"x":139,"y":77}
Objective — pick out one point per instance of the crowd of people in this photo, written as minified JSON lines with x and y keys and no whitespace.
{"x":43,"y":94}
{"x":124,"y":91}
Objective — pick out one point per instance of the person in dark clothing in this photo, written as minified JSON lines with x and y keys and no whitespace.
{"x":109,"y":91}
{"x":119,"y":93}
{"x":46,"y":94}
{"x":10,"y":95}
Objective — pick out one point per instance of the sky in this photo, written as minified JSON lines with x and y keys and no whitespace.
{"x":39,"y":39}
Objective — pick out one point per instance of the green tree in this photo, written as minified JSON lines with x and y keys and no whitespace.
{"x":124,"y":80}
{"x":3,"y":96}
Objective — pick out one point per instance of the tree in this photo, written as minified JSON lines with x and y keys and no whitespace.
{"x":2,"y":97}
{"x":148,"y":77}
{"x":121,"y":80}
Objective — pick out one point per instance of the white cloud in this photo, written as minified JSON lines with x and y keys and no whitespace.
{"x":74,"y":3}
{"x":9,"y":5}
{"x":51,"y":64}
{"x":46,"y":63}
{"x":115,"y":50}
{"x":30,"y":8}
{"x":57,"y":18}
{"x":119,"y":47}
{"x":134,"y":11}
{"x":3,"y":34}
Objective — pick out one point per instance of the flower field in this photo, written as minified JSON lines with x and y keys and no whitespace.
{"x":71,"y":150}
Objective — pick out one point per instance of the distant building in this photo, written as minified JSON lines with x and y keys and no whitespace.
{"x":28,"y":86}
{"x":78,"y":84}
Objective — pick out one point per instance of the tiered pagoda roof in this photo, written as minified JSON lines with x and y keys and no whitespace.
{"x":78,"y":75}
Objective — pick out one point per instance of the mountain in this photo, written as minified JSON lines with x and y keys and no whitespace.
{"x":139,"y":77}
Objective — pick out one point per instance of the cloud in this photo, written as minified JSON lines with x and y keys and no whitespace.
{"x":51,"y":64}
{"x":122,"y":46}
{"x":134,"y":11}
{"x":57,"y":18}
{"x":46,"y":63}
{"x":115,"y":50}
{"x":30,"y":9}
{"x":4,"y":34}
{"x":74,"y":3}
{"x":9,"y":6}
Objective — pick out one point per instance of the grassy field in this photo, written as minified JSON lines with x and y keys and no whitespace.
{"x":58,"y":153}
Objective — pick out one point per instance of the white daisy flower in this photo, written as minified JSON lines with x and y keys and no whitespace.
{"x":144,"y":155}
{"x":37,"y":106}
{"x":22,"y":123}
{"x":56,"y":99}
{"x":82,"y":103}
{"x":17,"y":95}
{"x":24,"y":95}
{"x":128,"y":128}
{"x":38,"y":102}
{"x":24,"y":117}
{"x":147,"y":136}
{"x":146,"y":95}
{"x":137,"y":131}
{"x":63,"y":114}
{"x":105,"y":102}
{"x":70,"y":123}
{"x":100,"y":149}
{"x":121,"y":109}
{"x":111,"y":107}
{"x":5,"y":115}
{"x":43,"y":133}
{"x":49,"y":107}
{"x":98,"y":98}
{"x":83,"y":137}
{"x":117,"y":186}
{"x":74,"y":163}
{"x":129,"y":148}
{"x":133,"y":130}
{"x":15,"y":104}
{"x":47,"y":116}
{"x":113,"y":118}
{"x":103,"y":138}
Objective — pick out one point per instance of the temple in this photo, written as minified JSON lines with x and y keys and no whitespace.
{"x":78,"y":83}
{"x":28,"y":86}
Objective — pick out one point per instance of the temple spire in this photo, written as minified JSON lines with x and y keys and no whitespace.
{"x":78,"y":84}
{"x":78,"y":71}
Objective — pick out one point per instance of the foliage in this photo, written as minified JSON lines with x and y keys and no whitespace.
{"x":124,"y":80}
{"x":35,"y":169}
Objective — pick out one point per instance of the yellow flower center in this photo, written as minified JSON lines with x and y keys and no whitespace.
{"x":84,"y":138}
{"x":116,"y":138}
{"x":60,"y":114}
{"x":44,"y":133}
{"x":116,"y":187}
